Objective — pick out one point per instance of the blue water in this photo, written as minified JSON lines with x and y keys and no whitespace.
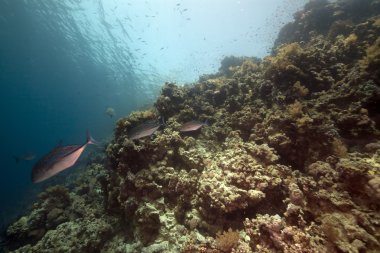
{"x":63,"y":62}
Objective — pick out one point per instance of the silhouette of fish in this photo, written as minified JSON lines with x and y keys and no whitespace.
{"x":192,"y":126}
{"x":110,"y":112}
{"x":146,"y":129}
{"x":25,"y":157}
{"x":57,"y":160}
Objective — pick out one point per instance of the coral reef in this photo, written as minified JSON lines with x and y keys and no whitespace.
{"x":64,"y":220}
{"x":290,"y":161}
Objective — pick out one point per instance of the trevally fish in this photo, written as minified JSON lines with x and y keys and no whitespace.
{"x":192,"y":126}
{"x":29,"y":156}
{"x":57,"y":160}
{"x":146,"y":129}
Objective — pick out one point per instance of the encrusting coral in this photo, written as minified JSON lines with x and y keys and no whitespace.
{"x":289,"y":161}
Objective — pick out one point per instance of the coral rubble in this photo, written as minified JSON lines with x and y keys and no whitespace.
{"x":290,"y":161}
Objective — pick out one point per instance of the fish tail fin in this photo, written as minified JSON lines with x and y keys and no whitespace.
{"x":17,"y":160}
{"x":91,"y":140}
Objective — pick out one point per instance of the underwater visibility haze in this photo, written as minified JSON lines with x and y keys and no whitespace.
{"x":219,"y":126}
{"x":67,"y":66}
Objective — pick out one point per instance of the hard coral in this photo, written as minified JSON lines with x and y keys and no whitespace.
{"x":290,"y":157}
{"x":227,"y":240}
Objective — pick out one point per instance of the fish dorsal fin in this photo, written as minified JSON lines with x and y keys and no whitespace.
{"x":60,"y":143}
{"x":90,"y":140}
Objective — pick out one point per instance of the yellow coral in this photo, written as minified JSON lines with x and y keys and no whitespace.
{"x":374,"y":161}
{"x":148,"y":114}
{"x":300,"y":89}
{"x":228,"y":240}
{"x":302,"y":122}
{"x":339,"y":148}
{"x":376,"y":23}
{"x":350,"y":40}
{"x":247,"y":67}
{"x":295,"y":109}
{"x":284,"y":53}
{"x":284,"y":60}
{"x":372,"y":55}
{"x":216,"y":81}
{"x":289,"y":50}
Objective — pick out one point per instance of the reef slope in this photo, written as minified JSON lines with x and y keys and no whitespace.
{"x":290,"y":160}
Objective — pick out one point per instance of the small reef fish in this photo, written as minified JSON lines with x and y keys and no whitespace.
{"x":146,"y":129}
{"x":57,"y":160}
{"x":110,"y":112}
{"x":30,"y":156}
{"x":192,"y":126}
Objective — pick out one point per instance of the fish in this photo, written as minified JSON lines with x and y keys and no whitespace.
{"x":58,"y":159}
{"x":146,"y":129}
{"x":29,"y":156}
{"x":110,"y":112}
{"x":192,"y":126}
